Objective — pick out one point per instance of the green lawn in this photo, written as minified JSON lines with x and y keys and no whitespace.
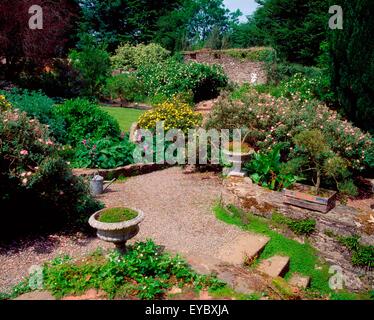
{"x":125,"y":116}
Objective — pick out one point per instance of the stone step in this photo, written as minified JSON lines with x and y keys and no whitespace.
{"x":36,"y":295}
{"x":245,"y":248}
{"x":276,"y":266}
{"x":299,"y":281}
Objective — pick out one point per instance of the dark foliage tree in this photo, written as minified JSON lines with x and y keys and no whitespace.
{"x":352,"y":62}
{"x":22,"y":47}
{"x":133,"y":21}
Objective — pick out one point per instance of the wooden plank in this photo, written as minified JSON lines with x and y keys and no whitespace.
{"x":305,"y":196}
{"x":324,"y":208}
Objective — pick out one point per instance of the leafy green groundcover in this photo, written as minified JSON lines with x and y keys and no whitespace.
{"x":145,"y":271}
{"x":303,"y":257}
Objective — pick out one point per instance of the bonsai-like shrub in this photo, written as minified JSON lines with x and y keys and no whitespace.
{"x":85,"y":120}
{"x":38,"y":191}
{"x":174,"y":114}
{"x":319,"y":158}
{"x":126,"y":87}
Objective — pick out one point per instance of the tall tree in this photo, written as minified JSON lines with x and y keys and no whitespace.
{"x":194,"y":23}
{"x":295,"y":28}
{"x":352,"y":62}
{"x":115,"y":21}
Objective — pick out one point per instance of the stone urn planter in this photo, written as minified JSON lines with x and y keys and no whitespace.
{"x":111,"y":229}
{"x":238,"y":159}
{"x":302,"y":196}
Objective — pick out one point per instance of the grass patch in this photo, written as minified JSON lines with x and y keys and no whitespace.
{"x":116,"y":215}
{"x":227,"y":292}
{"x":125,"y":116}
{"x":303,"y":257}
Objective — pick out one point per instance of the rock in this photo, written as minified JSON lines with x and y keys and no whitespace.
{"x":245,"y":248}
{"x":36,"y":295}
{"x":299,"y":281}
{"x":175,"y":290}
{"x":91,"y":294}
{"x":276,"y":266}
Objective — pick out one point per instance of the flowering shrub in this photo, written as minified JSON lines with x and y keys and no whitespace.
{"x":268,"y":121}
{"x":4,"y":104}
{"x":85,"y":120}
{"x":307,"y":88}
{"x":132,"y":57}
{"x":171,"y":77}
{"x":104,"y":153}
{"x":38,"y":106}
{"x":175,"y":115}
{"x":31,"y":170}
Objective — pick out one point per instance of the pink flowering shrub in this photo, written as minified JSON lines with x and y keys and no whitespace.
{"x":37,"y":189}
{"x":267,"y":121}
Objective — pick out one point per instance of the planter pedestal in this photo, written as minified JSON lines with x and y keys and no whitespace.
{"x":238,"y":160}
{"x":117,"y":233}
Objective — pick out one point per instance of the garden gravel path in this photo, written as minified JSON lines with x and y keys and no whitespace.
{"x":178,"y":210}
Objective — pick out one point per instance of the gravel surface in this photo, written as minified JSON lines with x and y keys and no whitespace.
{"x":178,"y":209}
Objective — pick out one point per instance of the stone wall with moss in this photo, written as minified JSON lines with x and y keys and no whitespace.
{"x":240,"y":65}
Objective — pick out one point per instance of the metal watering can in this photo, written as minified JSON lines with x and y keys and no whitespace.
{"x":97,"y":185}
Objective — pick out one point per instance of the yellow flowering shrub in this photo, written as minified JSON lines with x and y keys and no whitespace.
{"x":4,"y":104}
{"x":175,"y":115}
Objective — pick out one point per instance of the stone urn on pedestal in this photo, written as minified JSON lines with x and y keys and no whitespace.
{"x":237,"y":158}
{"x":117,"y":225}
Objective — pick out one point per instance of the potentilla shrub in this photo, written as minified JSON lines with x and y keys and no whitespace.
{"x":4,"y":104}
{"x":174,"y":114}
{"x":171,"y":77}
{"x":268,"y":121}
{"x":85,"y":120}
{"x":38,"y":191}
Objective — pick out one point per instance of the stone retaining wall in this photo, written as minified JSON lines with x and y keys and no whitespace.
{"x":127,"y":171}
{"x":238,"y":71}
{"x":343,"y":221}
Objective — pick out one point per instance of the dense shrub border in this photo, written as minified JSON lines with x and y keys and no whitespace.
{"x":32,"y":170}
{"x":171,"y":77}
{"x":268,"y":121}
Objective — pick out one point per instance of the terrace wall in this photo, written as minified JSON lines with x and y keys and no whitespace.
{"x":238,"y":70}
